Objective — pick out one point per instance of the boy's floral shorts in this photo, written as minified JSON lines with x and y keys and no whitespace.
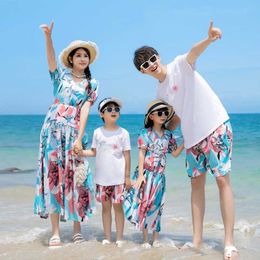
{"x":212,"y":154}
{"x":115,"y":193}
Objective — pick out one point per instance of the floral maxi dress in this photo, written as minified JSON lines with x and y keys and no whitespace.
{"x":143,"y":207}
{"x":56,"y":188}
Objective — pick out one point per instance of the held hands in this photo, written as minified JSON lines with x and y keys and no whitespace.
{"x":128,"y":184}
{"x":47,"y":29}
{"x":77,"y":148}
{"x":214,"y":33}
{"x":139,"y":181}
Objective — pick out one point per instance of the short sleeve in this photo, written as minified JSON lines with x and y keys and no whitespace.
{"x":143,"y":139}
{"x":94,"y":140}
{"x":56,"y":79}
{"x":183,"y":64}
{"x":172,"y":146}
{"x":92,"y":92}
{"x":126,"y":142}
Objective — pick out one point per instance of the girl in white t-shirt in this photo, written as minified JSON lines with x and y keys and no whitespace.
{"x":111,"y":147}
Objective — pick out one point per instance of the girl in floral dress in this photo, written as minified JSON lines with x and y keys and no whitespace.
{"x":144,"y":202}
{"x":58,"y":193}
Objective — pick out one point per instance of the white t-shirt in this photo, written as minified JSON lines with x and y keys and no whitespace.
{"x":110,"y":160}
{"x":198,"y":107}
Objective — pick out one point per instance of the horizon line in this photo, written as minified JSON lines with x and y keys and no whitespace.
{"x":232,"y":113}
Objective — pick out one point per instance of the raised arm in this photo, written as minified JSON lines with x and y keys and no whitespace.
{"x":213,"y":34}
{"x":49,"y":46}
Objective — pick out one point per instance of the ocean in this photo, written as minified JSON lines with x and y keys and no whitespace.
{"x":19,"y":142}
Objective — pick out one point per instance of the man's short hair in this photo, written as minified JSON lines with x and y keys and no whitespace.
{"x":143,"y":54}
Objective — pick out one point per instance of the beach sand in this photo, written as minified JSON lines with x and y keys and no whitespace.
{"x":25,"y":236}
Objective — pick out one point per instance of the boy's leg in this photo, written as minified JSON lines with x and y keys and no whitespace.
{"x":107,"y":218}
{"x":198,"y":207}
{"x":227,"y":207}
{"x":119,"y":219}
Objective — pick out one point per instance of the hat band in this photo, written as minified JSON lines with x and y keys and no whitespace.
{"x":154,"y":106}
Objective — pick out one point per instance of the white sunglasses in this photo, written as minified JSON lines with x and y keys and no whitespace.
{"x":149,"y":62}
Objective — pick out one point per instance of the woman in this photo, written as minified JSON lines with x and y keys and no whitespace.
{"x":57,"y":192}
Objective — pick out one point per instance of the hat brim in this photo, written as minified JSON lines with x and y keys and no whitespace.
{"x":157,"y":107}
{"x":109,"y":100}
{"x":90,"y":46}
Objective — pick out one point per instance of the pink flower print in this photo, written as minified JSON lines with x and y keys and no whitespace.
{"x":53,"y":174}
{"x":175,"y":88}
{"x":83,"y":201}
{"x":115,"y":146}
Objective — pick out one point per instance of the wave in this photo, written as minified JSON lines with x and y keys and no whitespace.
{"x":29,"y":236}
{"x":16,"y":170}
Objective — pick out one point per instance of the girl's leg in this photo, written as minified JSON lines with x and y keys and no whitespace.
{"x":119,"y":219}
{"x":107,"y":218}
{"x":198,"y":207}
{"x":76,"y":227}
{"x":55,"y":224}
{"x":145,"y":235}
{"x":155,"y":236}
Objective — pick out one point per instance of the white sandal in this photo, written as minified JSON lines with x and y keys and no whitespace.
{"x":78,"y":238}
{"x":54,"y":242}
{"x":146,"y":245}
{"x":105,"y":242}
{"x":188,"y":245}
{"x":157,"y":243}
{"x":229,"y":250}
{"x":120,"y":243}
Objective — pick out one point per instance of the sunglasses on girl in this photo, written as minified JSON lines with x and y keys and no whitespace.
{"x":110,"y":109}
{"x":149,"y":62}
{"x":160,"y":113}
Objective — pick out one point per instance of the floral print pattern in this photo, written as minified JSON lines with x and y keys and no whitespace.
{"x":143,"y":207}
{"x":212,"y":154}
{"x":56,"y":189}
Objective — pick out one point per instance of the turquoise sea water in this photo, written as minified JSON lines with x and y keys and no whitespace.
{"x":19,"y":139}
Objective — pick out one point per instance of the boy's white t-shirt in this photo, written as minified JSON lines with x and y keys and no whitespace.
{"x":110,"y":160}
{"x":200,"y":110}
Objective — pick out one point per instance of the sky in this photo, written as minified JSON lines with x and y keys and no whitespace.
{"x":230,"y":65}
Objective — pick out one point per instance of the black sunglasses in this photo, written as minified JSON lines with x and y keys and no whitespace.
{"x":160,"y":113}
{"x":110,"y":109}
{"x":149,"y":62}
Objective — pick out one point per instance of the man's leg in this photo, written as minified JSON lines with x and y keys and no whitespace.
{"x":227,"y":207}
{"x":198,"y":207}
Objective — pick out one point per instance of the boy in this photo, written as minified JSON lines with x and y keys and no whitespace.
{"x":111,"y":146}
{"x":205,"y":126}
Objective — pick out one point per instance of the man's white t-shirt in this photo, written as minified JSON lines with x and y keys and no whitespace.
{"x":110,"y":160}
{"x":198,"y":107}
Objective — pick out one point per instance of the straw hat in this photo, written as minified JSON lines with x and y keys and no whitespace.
{"x":156,"y":105}
{"x":108,"y":100}
{"x":91,"y":46}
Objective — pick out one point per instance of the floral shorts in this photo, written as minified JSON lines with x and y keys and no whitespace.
{"x":212,"y":154}
{"x":115,"y":193}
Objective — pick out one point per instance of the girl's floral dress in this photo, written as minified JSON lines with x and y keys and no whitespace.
{"x":143,"y":207}
{"x":56,"y":188}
